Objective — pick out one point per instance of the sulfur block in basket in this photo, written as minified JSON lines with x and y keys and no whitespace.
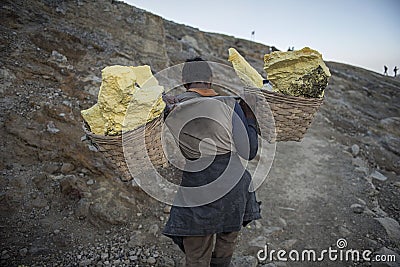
{"x":145,"y":106}
{"x":124,"y":87}
{"x":297,"y":73}
{"x":247,"y":74}
{"x":95,"y":119}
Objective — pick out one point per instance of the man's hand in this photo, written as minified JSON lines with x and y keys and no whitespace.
{"x":170,"y":103}
{"x":169,"y":99}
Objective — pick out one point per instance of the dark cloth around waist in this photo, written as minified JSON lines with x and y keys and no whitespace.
{"x":227,"y":214}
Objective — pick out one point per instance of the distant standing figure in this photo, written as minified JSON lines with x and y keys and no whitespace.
{"x":385,"y":68}
{"x":253,"y":35}
{"x":395,"y":71}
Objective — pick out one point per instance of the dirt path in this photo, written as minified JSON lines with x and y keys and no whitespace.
{"x":307,"y":200}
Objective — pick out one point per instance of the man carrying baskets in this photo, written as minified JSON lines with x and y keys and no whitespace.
{"x":215,"y":198}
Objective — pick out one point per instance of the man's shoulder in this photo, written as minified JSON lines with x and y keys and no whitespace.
{"x":187,"y":96}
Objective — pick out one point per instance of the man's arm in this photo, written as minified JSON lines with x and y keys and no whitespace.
{"x":170,"y":102}
{"x":246,"y":143}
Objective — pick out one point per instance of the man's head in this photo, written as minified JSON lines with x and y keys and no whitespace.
{"x":196,"y":73}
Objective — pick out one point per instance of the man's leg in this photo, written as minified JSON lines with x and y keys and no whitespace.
{"x":198,"y":250}
{"x":224,"y":247}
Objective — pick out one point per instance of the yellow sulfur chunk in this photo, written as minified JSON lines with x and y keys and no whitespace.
{"x":95,"y":119}
{"x":297,"y":73}
{"x":117,"y":88}
{"x":247,"y":74}
{"x":146,"y":105}
{"x":144,"y":77}
{"x":125,"y":87}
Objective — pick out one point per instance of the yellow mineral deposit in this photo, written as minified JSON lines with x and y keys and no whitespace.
{"x":123,"y":87}
{"x":297,"y":73}
{"x":247,"y":74}
{"x":146,"y":105}
{"x":95,"y":120}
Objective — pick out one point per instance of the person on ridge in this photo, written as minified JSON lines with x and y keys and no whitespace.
{"x":385,"y":68}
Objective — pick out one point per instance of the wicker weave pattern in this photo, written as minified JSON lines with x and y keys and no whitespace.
{"x":137,"y":148}
{"x":292,"y":115}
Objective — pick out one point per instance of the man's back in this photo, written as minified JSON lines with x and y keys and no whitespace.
{"x":203,"y":126}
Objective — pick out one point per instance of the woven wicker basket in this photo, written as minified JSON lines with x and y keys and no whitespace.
{"x":292,"y":115}
{"x":135,"y":146}
{"x":281,"y":118}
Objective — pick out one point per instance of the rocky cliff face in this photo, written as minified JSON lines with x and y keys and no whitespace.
{"x":51,"y":56}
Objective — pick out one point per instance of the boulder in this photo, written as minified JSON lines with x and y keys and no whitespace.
{"x":392,"y":228}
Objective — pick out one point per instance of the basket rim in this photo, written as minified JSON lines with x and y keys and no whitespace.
{"x":288,"y":98}
{"x":89,"y":133}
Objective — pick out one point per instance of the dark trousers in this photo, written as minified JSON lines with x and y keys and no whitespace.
{"x":199,"y":250}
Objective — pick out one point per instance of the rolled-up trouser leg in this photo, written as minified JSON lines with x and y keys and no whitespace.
{"x":198,"y":250}
{"x":224,"y":246}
